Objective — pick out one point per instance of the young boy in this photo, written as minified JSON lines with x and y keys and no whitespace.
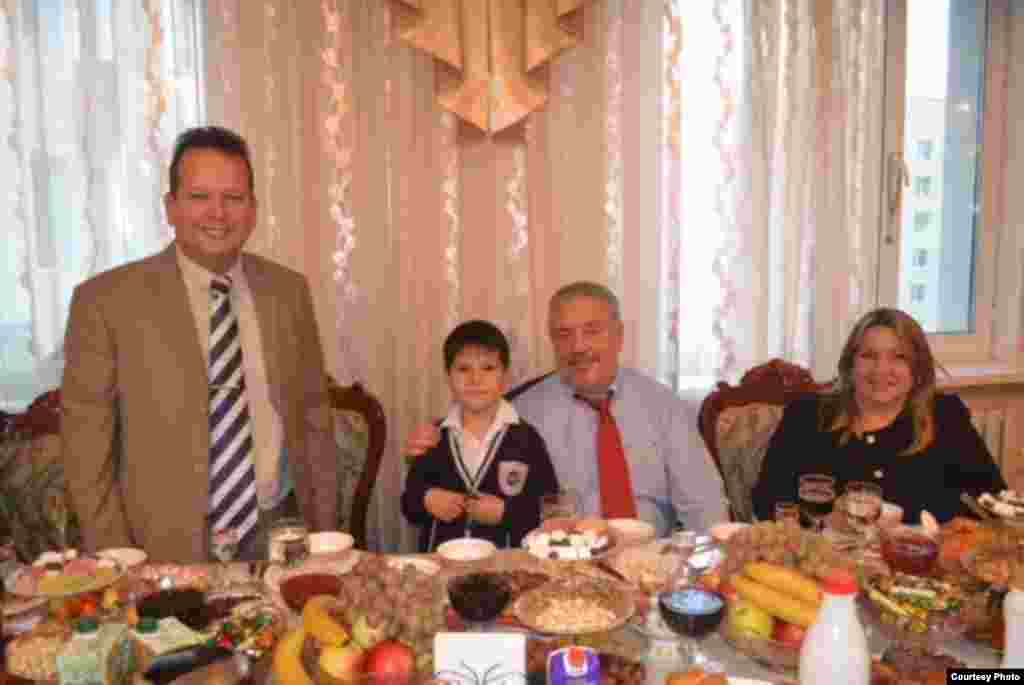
{"x":486,"y":475}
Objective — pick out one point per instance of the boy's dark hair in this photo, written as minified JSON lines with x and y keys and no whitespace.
{"x":209,"y":137}
{"x":475,"y":333}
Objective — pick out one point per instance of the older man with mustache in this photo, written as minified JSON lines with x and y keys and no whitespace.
{"x":626,"y":443}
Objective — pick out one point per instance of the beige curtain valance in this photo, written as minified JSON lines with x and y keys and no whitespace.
{"x":489,"y":53}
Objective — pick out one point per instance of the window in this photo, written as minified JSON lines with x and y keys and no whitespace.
{"x":922,"y":219}
{"x":87,"y":157}
{"x":943,"y":62}
{"x":925,"y":150}
{"x":922,"y":186}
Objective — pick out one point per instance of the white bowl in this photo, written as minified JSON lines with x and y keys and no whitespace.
{"x":126,"y":556}
{"x":721,"y":532}
{"x":329,"y":542}
{"x":631,"y":531}
{"x":466,"y":549}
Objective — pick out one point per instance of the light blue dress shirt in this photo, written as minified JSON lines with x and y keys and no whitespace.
{"x":674,"y":477}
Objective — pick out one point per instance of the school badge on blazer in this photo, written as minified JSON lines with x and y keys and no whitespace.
{"x":512,"y":477}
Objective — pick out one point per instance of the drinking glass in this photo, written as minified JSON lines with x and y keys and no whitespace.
{"x":561,"y":504}
{"x":692,"y":613}
{"x":224,"y":547}
{"x":787,"y":512}
{"x":862,"y":505}
{"x":816,"y":492}
{"x":288,"y":541}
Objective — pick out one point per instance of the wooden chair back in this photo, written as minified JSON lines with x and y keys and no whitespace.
{"x":737,"y":422}
{"x":355,"y":399}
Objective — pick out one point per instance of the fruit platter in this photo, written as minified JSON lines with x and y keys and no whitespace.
{"x":770,"y":579}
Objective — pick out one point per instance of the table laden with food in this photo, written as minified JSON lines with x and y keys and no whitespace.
{"x":930,"y":599}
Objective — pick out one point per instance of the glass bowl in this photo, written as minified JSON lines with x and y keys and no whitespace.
{"x":479,"y":597}
{"x":909,"y":550}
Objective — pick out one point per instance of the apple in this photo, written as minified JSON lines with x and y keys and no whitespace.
{"x":341,"y":663}
{"x":789,"y":634}
{"x":749,"y":619}
{"x":390,"y":657}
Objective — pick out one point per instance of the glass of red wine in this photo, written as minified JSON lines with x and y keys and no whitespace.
{"x":691,"y":612}
{"x":817,"y":494}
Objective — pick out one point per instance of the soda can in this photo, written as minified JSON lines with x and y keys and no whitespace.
{"x":574,"y":665}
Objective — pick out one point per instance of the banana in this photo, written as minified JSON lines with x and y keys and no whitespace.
{"x":318,"y":622}
{"x":785,"y":579}
{"x":776,"y":603}
{"x":287,"y":663}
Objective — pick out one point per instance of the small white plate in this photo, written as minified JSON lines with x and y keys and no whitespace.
{"x":466,"y":549}
{"x":126,"y":556}
{"x":425,"y":566}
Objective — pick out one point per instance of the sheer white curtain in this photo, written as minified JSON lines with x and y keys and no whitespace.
{"x":92,"y":94}
{"x":772,"y":113}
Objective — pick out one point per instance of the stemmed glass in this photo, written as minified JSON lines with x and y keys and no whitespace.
{"x":692,"y":613}
{"x":224,"y":547}
{"x":817,"y":493}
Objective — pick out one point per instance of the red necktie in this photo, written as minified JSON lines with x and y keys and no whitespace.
{"x":617,"y":500}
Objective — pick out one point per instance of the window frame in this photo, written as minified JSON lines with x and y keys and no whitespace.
{"x":955,"y":348}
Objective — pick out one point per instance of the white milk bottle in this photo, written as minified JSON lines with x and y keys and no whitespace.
{"x":1013,"y":616}
{"x":835,"y":650}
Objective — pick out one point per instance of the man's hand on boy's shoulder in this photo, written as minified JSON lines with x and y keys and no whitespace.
{"x":422,"y":439}
{"x":486,"y":509}
{"x":445,"y":505}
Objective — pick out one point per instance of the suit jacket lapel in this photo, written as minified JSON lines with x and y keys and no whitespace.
{"x":175,"y":313}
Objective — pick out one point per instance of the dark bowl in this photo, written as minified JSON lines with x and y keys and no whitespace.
{"x":479,"y":597}
{"x":908,"y":550}
{"x":297,"y":589}
{"x":691,"y":611}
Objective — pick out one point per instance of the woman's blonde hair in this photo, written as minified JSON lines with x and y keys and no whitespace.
{"x":839,"y":410}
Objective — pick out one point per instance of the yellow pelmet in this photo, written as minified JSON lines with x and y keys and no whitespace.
{"x":489,"y":52}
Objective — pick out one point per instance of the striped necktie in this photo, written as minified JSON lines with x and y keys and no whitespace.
{"x":232,"y":475}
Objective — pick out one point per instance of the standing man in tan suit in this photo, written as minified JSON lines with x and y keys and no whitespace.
{"x":161,"y":388}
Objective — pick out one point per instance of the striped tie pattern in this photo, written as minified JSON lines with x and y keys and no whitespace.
{"x":232,"y":475}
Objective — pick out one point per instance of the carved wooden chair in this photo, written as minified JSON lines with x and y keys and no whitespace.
{"x":360,"y":431}
{"x":737,"y":422}
{"x":32,"y":478}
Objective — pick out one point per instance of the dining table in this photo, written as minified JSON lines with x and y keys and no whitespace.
{"x":658,"y":655}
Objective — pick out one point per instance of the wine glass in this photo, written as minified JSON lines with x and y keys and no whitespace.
{"x":692,"y":613}
{"x":224,"y":547}
{"x":817,"y":493}
{"x":561,"y":504}
{"x":862,"y":505}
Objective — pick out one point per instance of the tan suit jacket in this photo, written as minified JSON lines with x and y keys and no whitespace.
{"x":135,"y":429}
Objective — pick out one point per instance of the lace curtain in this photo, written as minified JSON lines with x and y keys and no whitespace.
{"x":773,"y":119}
{"x":91,"y":96}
